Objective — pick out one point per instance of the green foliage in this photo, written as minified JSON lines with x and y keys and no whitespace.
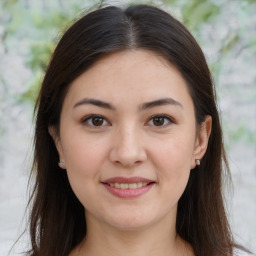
{"x":9,"y":3}
{"x":39,"y":55}
{"x":195,"y":13}
{"x":198,"y":12}
{"x":229,"y":42}
{"x":53,"y":19}
{"x":31,"y":94}
{"x":38,"y":29}
{"x":242,"y":133}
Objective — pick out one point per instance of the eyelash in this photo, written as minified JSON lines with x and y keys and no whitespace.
{"x":89,"y":118}
{"x":165,"y":117}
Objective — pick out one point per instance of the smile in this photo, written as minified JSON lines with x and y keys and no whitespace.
{"x":128,"y":186}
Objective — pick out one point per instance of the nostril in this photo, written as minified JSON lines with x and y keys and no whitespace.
{"x":127,"y":154}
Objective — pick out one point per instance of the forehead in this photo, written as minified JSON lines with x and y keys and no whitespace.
{"x":130,"y":76}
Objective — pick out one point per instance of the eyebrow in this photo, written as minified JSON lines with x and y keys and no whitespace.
{"x":144,"y":106}
{"x":98,"y":103}
{"x":160,"y":102}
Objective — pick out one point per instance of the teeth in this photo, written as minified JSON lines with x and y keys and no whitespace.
{"x":128,"y":186}
{"x":139,"y":185}
{"x":116,"y":185}
{"x":124,"y":186}
{"x":132,"y":186}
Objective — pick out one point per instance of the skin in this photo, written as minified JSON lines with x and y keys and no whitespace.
{"x":130,"y":141}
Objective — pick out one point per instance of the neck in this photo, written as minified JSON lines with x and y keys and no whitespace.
{"x":160,"y":239}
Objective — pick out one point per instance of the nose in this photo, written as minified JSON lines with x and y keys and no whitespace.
{"x":127,"y":149}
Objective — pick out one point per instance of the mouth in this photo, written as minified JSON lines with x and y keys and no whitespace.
{"x":132,"y":187}
{"x":129,"y":185}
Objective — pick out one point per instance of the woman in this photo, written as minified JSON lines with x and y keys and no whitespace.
{"x":128,"y":144}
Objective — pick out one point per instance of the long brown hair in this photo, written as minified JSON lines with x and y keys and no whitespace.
{"x":57,"y":222}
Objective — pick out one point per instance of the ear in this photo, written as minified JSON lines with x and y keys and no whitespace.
{"x":201,"y":141}
{"x":53,"y":132}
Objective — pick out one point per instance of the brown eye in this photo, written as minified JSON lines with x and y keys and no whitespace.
{"x":158,"y":121}
{"x":95,"y":121}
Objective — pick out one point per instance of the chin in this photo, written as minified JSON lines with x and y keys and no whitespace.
{"x":131,"y":223}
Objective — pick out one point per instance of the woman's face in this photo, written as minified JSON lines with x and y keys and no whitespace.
{"x":128,"y":139}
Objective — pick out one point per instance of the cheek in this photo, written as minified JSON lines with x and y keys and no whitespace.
{"x":173,"y":160}
{"x":83,"y":153}
{"x":83,"y":159}
{"x":174,"y":154}
{"x":83,"y":169}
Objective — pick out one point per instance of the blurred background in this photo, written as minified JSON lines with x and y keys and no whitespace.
{"x":29,"y":31}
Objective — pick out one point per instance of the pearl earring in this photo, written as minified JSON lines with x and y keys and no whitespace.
{"x":61,"y":162}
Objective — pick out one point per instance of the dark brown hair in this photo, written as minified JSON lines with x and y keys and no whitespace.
{"x":57,"y":220}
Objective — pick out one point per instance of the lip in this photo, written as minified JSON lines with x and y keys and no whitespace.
{"x":127,"y":180}
{"x":128,"y":193}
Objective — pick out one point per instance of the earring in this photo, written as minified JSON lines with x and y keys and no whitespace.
{"x":61,"y":162}
{"x":198,"y":162}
